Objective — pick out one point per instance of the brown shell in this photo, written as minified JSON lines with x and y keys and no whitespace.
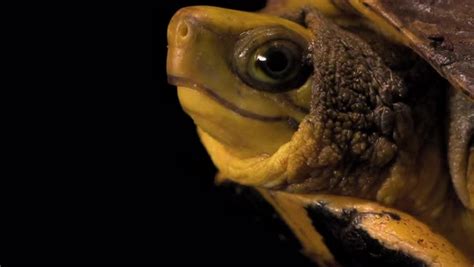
{"x":442,"y":32}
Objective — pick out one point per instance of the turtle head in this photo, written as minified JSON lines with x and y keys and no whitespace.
{"x":305,"y":107}
{"x":244,"y":79}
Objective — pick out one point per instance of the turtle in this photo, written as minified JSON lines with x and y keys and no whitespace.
{"x":354,"y":119}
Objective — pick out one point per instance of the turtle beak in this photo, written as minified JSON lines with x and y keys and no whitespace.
{"x":181,"y":33}
{"x":197,"y":48}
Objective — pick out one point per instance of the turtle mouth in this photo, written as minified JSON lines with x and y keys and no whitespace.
{"x":188,"y":83}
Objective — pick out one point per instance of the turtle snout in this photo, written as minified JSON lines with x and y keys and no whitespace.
{"x":183,"y":27}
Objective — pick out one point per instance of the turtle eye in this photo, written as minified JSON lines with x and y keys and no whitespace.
{"x":273,"y":60}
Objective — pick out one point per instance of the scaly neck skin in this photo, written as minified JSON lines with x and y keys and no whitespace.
{"x":377,"y":127}
{"x":360,"y":115}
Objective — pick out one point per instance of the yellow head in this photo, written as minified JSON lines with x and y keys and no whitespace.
{"x":244,"y":79}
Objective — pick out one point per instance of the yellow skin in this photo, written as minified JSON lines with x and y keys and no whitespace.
{"x":247,"y":132}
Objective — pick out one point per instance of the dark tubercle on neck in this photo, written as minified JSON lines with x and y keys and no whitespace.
{"x":362,"y":106}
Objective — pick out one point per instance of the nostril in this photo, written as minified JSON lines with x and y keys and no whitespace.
{"x":183,"y":29}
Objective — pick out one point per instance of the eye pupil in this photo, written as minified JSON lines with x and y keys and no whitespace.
{"x":276,"y":61}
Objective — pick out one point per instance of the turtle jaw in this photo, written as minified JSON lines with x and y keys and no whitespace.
{"x":233,"y":128}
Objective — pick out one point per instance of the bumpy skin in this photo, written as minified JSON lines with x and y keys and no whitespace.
{"x":360,"y":110}
{"x":371,"y":122}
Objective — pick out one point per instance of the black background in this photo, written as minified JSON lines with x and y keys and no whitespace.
{"x":102,"y":164}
